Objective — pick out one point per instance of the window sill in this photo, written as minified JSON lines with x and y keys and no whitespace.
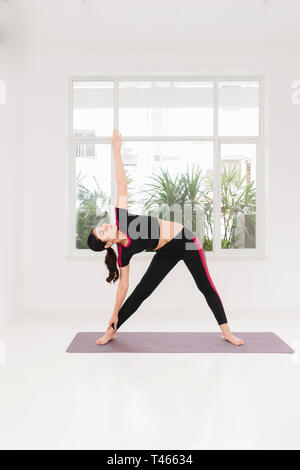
{"x":228,"y":256}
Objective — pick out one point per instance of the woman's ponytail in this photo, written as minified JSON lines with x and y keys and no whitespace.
{"x":111,"y":263}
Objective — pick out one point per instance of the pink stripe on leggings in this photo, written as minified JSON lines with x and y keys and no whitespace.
{"x":204,"y":264}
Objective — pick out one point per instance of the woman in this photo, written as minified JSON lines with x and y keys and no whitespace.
{"x":171,"y":241}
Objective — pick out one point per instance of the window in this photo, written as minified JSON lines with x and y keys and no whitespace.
{"x":85,"y":150}
{"x":192,"y":150}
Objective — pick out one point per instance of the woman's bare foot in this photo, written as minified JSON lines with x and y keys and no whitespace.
{"x":109,"y":335}
{"x":233,"y":339}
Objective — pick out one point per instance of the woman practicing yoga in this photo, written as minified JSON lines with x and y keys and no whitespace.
{"x":171,"y":241}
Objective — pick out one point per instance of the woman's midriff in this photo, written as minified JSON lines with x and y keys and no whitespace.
{"x":168,"y":230}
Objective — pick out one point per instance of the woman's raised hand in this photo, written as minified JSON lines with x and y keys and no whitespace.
{"x":116,"y":141}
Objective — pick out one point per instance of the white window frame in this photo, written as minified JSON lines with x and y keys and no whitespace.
{"x":217,"y":253}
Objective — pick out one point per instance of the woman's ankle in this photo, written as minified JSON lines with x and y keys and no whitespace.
{"x":110,"y":330}
{"x":225,"y":329}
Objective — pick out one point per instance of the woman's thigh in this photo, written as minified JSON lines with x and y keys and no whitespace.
{"x":195,"y":260}
{"x":159,"y":267}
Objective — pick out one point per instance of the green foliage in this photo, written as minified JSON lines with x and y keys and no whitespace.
{"x":88,"y":212}
{"x":238,"y":198}
{"x":93,"y":208}
{"x":191,"y":188}
{"x":163,"y":191}
{"x":188,"y":189}
{"x":195,"y":192}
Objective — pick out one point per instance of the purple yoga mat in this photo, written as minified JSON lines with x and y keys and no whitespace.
{"x":178,"y":342}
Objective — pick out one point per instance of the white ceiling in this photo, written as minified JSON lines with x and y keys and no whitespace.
{"x":163,"y":25}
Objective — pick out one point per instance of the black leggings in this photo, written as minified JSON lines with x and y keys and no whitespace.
{"x":183,"y":246}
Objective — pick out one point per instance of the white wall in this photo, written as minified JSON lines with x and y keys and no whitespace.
{"x":54,"y":282}
{"x":12,"y":153}
{"x":70,"y":37}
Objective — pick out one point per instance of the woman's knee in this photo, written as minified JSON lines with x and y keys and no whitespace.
{"x":207,"y":290}
{"x":140,"y":293}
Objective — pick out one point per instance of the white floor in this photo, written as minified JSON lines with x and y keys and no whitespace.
{"x":53,"y":400}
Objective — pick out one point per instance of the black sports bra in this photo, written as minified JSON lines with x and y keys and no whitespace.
{"x":142,"y":232}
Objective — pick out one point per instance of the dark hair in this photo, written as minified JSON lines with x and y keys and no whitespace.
{"x":96,"y":244}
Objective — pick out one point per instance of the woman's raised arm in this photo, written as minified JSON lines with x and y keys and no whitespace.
{"x":122,"y":197}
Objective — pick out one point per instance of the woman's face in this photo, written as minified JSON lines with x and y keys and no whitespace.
{"x":106,"y":232}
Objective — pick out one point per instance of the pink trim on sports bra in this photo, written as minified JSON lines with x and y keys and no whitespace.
{"x":119,"y":253}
